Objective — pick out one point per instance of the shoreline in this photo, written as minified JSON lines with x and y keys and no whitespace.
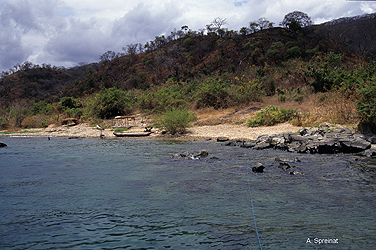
{"x":230,"y":131}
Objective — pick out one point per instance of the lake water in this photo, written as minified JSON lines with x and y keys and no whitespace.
{"x":129,"y":194}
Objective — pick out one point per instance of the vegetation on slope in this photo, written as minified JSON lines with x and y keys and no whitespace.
{"x":291,"y":66}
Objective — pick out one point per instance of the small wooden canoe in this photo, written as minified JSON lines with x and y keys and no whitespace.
{"x":132,"y":134}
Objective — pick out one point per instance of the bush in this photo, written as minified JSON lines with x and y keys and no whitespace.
{"x":109,"y":103}
{"x":271,"y":115}
{"x":175,"y":120}
{"x":42,"y":107}
{"x":70,"y":103}
{"x":366,"y":107}
{"x":213,"y":93}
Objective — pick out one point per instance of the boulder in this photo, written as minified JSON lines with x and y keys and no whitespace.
{"x":194,"y":156}
{"x":295,"y":172}
{"x":248,"y":144}
{"x":258,"y":168}
{"x":285,"y":166}
{"x":262,"y":145}
{"x":2,"y":144}
{"x":325,"y":139}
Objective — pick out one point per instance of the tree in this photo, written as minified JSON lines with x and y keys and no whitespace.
{"x":296,"y":17}
{"x":253,"y":26}
{"x":216,"y":24}
{"x":264,"y":23}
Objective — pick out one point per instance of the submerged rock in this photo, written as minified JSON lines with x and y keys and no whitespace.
{"x":285,"y":166}
{"x":194,"y":156}
{"x":296,"y":173}
{"x":258,"y":168}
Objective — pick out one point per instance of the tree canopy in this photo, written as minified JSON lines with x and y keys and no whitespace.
{"x":296,"y":17}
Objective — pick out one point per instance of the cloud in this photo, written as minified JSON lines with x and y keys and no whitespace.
{"x":66,"y":32}
{"x":80,"y":41}
{"x":144,"y":22}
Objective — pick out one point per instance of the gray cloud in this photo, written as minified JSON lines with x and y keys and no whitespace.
{"x":143,"y":23}
{"x":60,"y":33}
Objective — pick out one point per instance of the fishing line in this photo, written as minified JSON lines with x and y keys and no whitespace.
{"x":253,"y":211}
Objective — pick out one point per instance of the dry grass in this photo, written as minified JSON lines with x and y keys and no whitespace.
{"x":330,"y":107}
{"x":315,"y":109}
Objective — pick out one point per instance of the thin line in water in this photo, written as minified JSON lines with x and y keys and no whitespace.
{"x":253,"y":211}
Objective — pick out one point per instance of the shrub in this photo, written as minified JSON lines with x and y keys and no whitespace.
{"x":175,"y":120}
{"x":366,"y":107}
{"x":271,"y":115}
{"x":213,"y":93}
{"x":42,"y":107}
{"x":109,"y":103}
{"x":69,"y":103}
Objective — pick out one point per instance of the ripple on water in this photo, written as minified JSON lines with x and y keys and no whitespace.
{"x":107,"y":194}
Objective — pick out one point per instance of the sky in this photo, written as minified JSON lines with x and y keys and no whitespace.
{"x":69,"y":32}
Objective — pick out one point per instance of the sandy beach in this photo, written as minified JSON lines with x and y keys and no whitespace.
{"x":196,"y":132}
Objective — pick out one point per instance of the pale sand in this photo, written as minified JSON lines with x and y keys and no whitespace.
{"x":223,"y":130}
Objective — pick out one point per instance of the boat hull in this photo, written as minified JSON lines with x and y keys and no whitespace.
{"x":132,"y":134}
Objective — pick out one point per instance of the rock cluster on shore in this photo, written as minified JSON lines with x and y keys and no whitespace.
{"x":322,"y":140}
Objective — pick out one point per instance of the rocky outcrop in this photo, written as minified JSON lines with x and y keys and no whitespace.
{"x":2,"y":144}
{"x":322,"y":140}
{"x":191,"y":156}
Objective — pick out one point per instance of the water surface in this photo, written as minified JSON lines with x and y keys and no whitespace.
{"x":129,"y":194}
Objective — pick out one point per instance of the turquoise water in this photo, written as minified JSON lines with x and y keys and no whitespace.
{"x":129,"y":194}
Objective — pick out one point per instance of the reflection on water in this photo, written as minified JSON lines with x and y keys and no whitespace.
{"x":129,"y":194}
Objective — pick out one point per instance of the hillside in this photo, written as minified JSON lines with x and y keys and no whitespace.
{"x":357,"y":33}
{"x":221,"y":69}
{"x":181,"y":59}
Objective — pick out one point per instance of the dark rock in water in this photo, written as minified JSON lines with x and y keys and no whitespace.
{"x":73,"y":137}
{"x":194,"y":156}
{"x":281,"y":159}
{"x":294,"y":146}
{"x":201,"y":154}
{"x":354,"y":145}
{"x":2,"y":144}
{"x":371,"y":139}
{"x":296,"y":173}
{"x":258,"y":168}
{"x":222,"y":139}
{"x":262,"y":145}
{"x":233,"y":143}
{"x":248,"y":144}
{"x":285,"y":166}
{"x":367,"y":153}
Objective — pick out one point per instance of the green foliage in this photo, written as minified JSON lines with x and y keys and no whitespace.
{"x":271,"y":115}
{"x":42,"y":107}
{"x":175,"y":120}
{"x":120,"y":130}
{"x":293,"y":52}
{"x":327,"y":74}
{"x":70,"y":103}
{"x":109,"y":103}
{"x":71,"y":107}
{"x":171,"y":94}
{"x":366,"y":106}
{"x":213,"y":93}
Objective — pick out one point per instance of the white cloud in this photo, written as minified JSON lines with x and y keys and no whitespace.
{"x":65,"y":32}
